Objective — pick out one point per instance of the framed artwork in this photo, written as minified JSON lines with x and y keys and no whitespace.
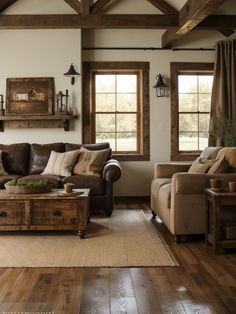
{"x":30,"y":96}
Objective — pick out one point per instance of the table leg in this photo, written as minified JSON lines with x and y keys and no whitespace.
{"x":81,"y":234}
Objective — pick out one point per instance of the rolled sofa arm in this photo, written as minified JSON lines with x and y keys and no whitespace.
{"x":112,"y":170}
{"x":166,"y":170}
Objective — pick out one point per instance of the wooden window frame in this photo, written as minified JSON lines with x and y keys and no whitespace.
{"x":177,"y":68}
{"x":90,"y":69}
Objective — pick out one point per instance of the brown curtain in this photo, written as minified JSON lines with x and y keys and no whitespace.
{"x":223,"y":101}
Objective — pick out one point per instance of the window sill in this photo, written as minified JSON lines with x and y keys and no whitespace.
{"x":131,"y":157}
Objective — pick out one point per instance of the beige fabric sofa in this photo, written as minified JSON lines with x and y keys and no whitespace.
{"x":177,"y":196}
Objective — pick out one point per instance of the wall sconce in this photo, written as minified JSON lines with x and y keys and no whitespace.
{"x":160,"y":86}
{"x":71,"y":73}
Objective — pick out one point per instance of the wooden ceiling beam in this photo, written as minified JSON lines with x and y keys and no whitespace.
{"x":74,"y":4}
{"x":98,"y":6}
{"x":163,"y":6}
{"x":85,"y":6}
{"x":192,"y":13}
{"x":218,"y":22}
{"x":92,"y":21}
{"x":4,"y":4}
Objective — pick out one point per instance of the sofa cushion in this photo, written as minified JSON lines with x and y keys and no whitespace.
{"x":164,"y":195}
{"x":97,"y":146}
{"x":15,"y":158}
{"x":39,"y":155}
{"x":90,"y":162}
{"x":2,"y":171}
{"x":96,"y":184}
{"x":157,"y":184}
{"x":4,"y":179}
{"x":231,"y":157}
{"x":201,"y":165}
{"x":55,"y":181}
{"x":220,"y":166}
{"x":61,"y":164}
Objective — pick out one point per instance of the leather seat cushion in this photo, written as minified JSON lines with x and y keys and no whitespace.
{"x":96,"y":184}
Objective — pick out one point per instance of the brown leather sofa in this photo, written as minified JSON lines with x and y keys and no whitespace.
{"x":177,"y":196}
{"x":27,"y":161}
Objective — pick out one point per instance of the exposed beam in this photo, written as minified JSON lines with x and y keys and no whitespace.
{"x":74,"y":4}
{"x":122,"y":21}
{"x":98,"y":6}
{"x":4,"y":4}
{"x":218,"y":22}
{"x":163,"y":6}
{"x":85,"y":6}
{"x":192,"y":13}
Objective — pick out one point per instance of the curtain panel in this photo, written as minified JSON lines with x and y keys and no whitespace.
{"x":223,"y":101}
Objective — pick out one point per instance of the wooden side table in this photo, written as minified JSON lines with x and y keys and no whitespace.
{"x":216,"y":202}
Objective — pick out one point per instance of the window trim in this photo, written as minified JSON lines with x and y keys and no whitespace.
{"x":177,"y":68}
{"x":143,"y":133}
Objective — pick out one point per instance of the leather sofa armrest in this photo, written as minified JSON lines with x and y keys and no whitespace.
{"x":112,"y":170}
{"x":166,"y":170}
{"x":190,"y":183}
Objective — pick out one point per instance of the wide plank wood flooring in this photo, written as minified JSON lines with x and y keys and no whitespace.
{"x":203,"y":284}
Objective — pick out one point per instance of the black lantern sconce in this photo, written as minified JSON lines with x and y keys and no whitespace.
{"x":160,"y":86}
{"x":72,"y":73}
{"x":1,"y":105}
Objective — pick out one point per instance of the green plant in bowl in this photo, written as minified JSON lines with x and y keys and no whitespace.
{"x":40,"y":186}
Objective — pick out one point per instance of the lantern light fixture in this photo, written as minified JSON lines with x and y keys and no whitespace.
{"x":72,"y":73}
{"x":160,"y":86}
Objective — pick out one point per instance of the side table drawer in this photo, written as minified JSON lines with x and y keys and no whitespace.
{"x":54,"y":212}
{"x":12,"y":213}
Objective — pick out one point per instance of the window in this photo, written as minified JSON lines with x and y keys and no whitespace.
{"x":116,"y":107}
{"x":191,"y":87}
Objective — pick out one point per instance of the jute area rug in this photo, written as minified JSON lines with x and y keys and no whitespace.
{"x":126,"y":239}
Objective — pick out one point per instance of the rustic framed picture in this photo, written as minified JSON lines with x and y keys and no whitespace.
{"x":30,"y":96}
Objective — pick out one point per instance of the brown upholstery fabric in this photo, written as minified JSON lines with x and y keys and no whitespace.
{"x":55,"y":181}
{"x":96,"y":184}
{"x":231,"y":157}
{"x":164,"y":196}
{"x":15,"y":158}
{"x":39,"y":155}
{"x":221,"y":166}
{"x":2,"y":170}
{"x":201,"y":166}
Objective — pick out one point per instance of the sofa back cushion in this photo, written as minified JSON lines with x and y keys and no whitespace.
{"x":97,"y":146}
{"x":15,"y":158}
{"x":39,"y":155}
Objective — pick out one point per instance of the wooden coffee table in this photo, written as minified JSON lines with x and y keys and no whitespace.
{"x":46,"y":211}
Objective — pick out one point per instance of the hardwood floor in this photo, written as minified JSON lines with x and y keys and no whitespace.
{"x":203,"y":284}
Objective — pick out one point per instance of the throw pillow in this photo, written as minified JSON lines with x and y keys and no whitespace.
{"x":220,"y":166}
{"x":2,"y":171}
{"x":90,"y":162}
{"x":61,"y":164}
{"x":210,"y":152}
{"x":202,"y":165}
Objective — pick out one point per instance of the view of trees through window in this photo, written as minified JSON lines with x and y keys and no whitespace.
{"x":194,"y":99}
{"x":116,"y":110}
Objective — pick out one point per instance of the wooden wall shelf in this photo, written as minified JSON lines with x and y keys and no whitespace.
{"x":34,"y":121}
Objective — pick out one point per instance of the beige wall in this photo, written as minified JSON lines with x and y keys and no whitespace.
{"x":26,"y":53}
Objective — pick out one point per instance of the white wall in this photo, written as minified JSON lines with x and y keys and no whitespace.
{"x":42,"y":53}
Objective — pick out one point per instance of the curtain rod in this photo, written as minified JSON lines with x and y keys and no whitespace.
{"x":148,"y":48}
